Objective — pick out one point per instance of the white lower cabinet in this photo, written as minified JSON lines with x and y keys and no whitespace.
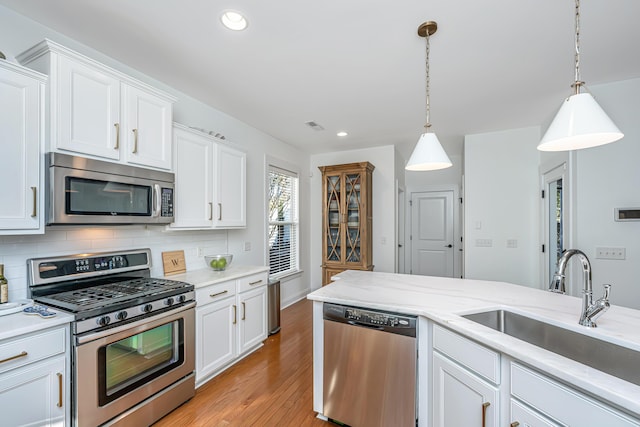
{"x":560,"y":404}
{"x":467,"y":389}
{"x":231,"y":321}
{"x":34,"y":382}
{"x":462,"y":393}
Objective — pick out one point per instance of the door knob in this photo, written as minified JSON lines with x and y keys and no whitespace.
{"x":449,"y":246}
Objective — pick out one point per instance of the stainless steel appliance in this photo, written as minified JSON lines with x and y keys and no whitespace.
{"x":87,"y":191}
{"x":370,"y":367}
{"x":133,"y":338}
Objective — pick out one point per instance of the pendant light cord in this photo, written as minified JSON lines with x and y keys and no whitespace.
{"x":428,"y":103}
{"x":577,"y":82}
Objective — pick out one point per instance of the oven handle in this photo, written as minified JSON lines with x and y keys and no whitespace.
{"x":145,"y":320}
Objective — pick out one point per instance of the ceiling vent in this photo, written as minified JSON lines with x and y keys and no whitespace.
{"x":313,"y":125}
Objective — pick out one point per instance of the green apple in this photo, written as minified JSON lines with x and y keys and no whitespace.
{"x":222,"y":263}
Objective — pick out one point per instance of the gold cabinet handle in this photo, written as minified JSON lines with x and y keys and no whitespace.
{"x":117,"y":146}
{"x":210,"y":211}
{"x":218,"y":294}
{"x":34,"y":191}
{"x":219,"y":211}
{"x":485,"y":405}
{"x":59,"y":390}
{"x":514,"y":424}
{"x":235,"y":314}
{"x":17,"y":356}
{"x":244,"y":311}
{"x":135,"y":141}
{"x":255,"y":283}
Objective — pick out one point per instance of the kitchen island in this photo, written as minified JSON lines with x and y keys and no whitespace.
{"x":439,"y":304}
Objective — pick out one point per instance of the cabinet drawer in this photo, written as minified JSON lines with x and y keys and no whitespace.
{"x":215,"y":292}
{"x":251,"y":282}
{"x":560,"y":403}
{"x":479,"y":359}
{"x":29,"y":349}
{"x":527,"y":417}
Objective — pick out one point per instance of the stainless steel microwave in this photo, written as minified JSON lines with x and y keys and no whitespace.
{"x":88,"y":191}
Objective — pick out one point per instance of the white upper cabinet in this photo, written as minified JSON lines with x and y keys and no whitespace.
{"x":85,"y":110}
{"x":231,"y":187}
{"x":147,"y":128}
{"x":21,"y":137}
{"x":96,"y":111}
{"x":210,"y":182}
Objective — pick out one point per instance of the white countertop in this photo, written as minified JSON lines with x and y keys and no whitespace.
{"x":443,"y":300}
{"x":13,"y":325}
{"x":207,"y":276}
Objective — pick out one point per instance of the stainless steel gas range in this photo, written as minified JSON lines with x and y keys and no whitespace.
{"x":133,"y":337}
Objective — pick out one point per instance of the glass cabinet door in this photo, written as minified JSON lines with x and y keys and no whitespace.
{"x":333,"y":218}
{"x":352,"y":210}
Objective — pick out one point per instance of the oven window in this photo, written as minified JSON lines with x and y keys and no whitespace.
{"x":93,"y":197}
{"x":136,"y":360}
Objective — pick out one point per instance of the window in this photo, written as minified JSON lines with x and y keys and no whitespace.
{"x":283,"y":222}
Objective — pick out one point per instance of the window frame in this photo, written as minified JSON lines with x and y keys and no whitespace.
{"x":275,"y":166}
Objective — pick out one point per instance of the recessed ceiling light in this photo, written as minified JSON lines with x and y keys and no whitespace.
{"x":342,"y":133}
{"x":234,"y":20}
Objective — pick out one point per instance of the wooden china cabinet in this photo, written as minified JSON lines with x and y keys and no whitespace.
{"x":346,"y":218}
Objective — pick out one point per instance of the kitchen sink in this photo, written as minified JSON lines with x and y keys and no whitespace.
{"x":604,"y":356}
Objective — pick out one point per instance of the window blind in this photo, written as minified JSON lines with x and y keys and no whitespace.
{"x":283,"y":222}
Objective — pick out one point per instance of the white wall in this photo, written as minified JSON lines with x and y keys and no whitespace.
{"x":18,"y":34}
{"x":384,"y":210}
{"x":501,"y":202}
{"x":608,"y":177}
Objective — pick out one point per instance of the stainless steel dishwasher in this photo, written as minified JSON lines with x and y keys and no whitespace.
{"x":370,"y":360}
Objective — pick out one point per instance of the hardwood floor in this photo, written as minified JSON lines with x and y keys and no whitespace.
{"x":270,"y":387}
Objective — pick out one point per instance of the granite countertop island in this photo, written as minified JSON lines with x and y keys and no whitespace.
{"x":444,"y":300}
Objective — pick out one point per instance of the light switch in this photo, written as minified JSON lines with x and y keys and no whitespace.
{"x":484,"y":243}
{"x":611,"y":253}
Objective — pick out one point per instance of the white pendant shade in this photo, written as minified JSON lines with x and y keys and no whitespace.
{"x":428,"y":155}
{"x":580,"y":123}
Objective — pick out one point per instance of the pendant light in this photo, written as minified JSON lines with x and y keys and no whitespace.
{"x":580,"y":122}
{"x":428,"y":154}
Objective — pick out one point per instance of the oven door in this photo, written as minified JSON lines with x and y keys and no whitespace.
{"x":121,"y":367}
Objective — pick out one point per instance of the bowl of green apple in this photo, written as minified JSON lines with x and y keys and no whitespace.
{"x":218,"y":262}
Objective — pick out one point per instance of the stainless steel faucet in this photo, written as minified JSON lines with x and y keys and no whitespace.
{"x":591,"y":310}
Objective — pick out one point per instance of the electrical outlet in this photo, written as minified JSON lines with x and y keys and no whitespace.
{"x":611,"y":253}
{"x":247,"y":246}
{"x":200,"y":252}
{"x":484,"y":243}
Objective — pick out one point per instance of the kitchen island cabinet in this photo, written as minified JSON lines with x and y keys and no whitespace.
{"x":21,"y":132}
{"x":521,"y":383}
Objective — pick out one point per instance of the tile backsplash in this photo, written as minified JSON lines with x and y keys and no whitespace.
{"x":15,"y":250}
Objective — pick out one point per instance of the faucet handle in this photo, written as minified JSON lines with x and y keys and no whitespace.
{"x":607,"y":292}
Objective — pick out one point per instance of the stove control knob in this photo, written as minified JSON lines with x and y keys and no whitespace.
{"x":168,"y":301}
{"x":182,"y":298}
{"x":147,"y":308}
{"x":103,"y":320}
{"x":121,"y":315}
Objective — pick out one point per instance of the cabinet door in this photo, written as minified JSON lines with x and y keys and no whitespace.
{"x":230,"y":190}
{"x":20,"y":136}
{"x":215,"y":336}
{"x":354,"y":230}
{"x":193,"y":168}
{"x":333,"y":233}
{"x":461,"y":399}
{"x":148,"y":128}
{"x":252,"y":318}
{"x":35,"y":394}
{"x":88,"y":110}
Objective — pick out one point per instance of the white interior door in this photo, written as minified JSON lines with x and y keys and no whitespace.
{"x":400,"y":223}
{"x":554,"y":188}
{"x":432,"y":238}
